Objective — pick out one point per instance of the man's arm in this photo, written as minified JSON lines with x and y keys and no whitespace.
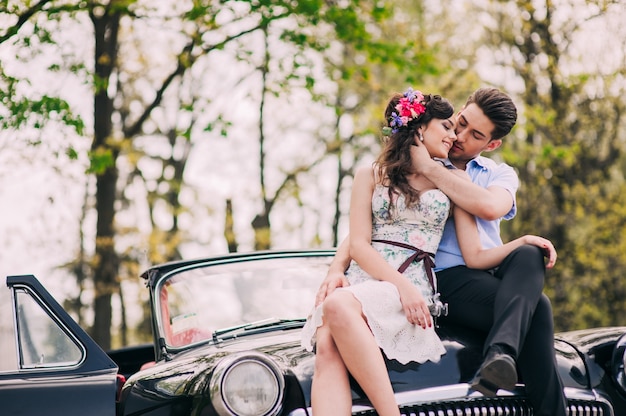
{"x":335,"y":277}
{"x":486,"y":203}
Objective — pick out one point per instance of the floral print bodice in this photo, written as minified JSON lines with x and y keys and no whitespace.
{"x":420,"y":225}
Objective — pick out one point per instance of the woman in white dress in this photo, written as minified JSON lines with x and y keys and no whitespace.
{"x":396,"y":222}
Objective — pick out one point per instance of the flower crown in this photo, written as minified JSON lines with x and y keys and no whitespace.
{"x":410,"y":107}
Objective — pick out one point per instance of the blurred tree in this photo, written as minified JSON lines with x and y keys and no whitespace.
{"x":132,"y":90}
{"x":20,"y":110}
{"x":421,"y":44}
{"x":292,"y":91}
{"x":570,"y":152}
{"x":349,"y":47}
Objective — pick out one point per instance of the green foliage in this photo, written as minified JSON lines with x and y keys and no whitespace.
{"x":23,"y":112}
{"x":17,"y":110}
{"x":72,"y":153}
{"x":349,"y":56}
{"x":569,"y":154}
{"x":101,"y":159}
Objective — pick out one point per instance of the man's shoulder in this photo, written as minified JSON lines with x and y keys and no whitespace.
{"x":491,"y":165}
{"x":487,"y":172}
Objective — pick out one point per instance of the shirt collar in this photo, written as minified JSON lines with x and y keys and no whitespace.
{"x":476,"y":162}
{"x":446,"y":162}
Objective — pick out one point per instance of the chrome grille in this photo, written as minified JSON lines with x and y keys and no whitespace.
{"x":588,"y":409}
{"x":500,"y":406}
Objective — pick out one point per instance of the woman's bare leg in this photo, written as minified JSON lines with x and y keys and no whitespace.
{"x":330,"y":391}
{"x":359,"y":351}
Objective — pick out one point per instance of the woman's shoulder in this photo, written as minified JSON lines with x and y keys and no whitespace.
{"x":364,"y":178}
{"x":369,"y":172}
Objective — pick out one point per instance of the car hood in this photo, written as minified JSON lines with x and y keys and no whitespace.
{"x":595,"y":347}
{"x":589,"y":341}
{"x":189,"y":370}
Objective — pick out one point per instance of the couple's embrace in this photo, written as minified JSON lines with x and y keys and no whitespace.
{"x":430,"y":203}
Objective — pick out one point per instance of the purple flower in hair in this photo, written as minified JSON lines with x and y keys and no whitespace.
{"x":410,"y":94}
{"x":396,"y":121}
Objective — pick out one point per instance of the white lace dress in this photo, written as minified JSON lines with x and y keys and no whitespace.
{"x":420,"y":226}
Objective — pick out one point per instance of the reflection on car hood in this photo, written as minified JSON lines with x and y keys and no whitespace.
{"x":588,"y":340}
{"x":458,"y":365}
{"x":594,"y":346}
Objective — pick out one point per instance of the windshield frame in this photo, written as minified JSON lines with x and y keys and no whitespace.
{"x":211,"y":268}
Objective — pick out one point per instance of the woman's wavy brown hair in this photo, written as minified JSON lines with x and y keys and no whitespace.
{"x":394,"y":161}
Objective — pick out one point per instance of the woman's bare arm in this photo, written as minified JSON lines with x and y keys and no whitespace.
{"x":477,"y":257}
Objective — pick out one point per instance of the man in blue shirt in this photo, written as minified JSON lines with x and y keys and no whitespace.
{"x":506,"y":303}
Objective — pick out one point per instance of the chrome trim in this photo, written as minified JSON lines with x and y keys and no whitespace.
{"x":618,"y":363}
{"x":220,"y":261}
{"x":449,"y":392}
{"x":226,"y":364}
{"x":580,"y":403}
{"x":55,"y":319}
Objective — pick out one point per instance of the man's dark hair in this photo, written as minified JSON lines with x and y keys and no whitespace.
{"x":498,"y":107}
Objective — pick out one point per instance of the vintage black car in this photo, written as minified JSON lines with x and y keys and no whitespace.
{"x":48,"y":364}
{"x":227,"y":337}
{"x":227,"y":342}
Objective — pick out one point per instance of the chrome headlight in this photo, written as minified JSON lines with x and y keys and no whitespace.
{"x":248,"y":384}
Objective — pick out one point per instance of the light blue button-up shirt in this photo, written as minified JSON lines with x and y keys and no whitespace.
{"x":486,"y":173}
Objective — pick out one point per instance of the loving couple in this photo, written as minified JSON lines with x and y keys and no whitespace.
{"x":430,"y":195}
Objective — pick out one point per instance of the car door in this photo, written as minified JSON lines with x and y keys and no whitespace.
{"x":48,"y":364}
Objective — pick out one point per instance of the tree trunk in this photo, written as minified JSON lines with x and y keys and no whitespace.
{"x":229,"y":228}
{"x":106,"y":266}
{"x":262,"y":230}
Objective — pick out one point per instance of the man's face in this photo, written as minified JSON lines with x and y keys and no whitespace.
{"x":473,"y":132}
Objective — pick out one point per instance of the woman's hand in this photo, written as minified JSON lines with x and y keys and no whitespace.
{"x":420,"y":158}
{"x":546,"y":245}
{"x":332,"y":281}
{"x":414,"y":305}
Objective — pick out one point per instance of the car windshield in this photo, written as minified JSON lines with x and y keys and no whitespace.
{"x":209,"y":301}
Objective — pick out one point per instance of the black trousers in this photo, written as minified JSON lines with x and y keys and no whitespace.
{"x":509,"y":306}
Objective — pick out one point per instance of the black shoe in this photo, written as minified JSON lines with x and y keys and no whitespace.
{"x":497,"y":372}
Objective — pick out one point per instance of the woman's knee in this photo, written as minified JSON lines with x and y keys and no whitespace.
{"x":340,"y":305}
{"x":324,"y":341}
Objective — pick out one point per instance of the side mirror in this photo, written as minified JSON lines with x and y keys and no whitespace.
{"x":618,"y":363}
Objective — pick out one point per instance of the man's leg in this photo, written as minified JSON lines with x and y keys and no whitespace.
{"x":537,"y":364}
{"x":522,"y":276}
{"x":470,"y":294}
{"x":475,"y":297}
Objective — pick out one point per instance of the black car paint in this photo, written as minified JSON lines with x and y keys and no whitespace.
{"x":590,"y":362}
{"x":70,"y":391}
{"x":597,"y":349}
{"x":457,"y":366}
